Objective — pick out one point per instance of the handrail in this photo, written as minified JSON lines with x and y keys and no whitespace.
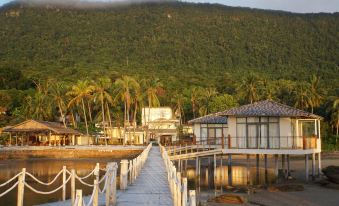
{"x":178,"y":185}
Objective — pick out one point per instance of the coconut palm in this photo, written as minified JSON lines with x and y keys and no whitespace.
{"x":205,"y":98}
{"x":153,"y":86}
{"x":194,"y":96}
{"x":79,"y":93}
{"x":335,"y":116}
{"x":301,"y":96}
{"x":58,"y":91}
{"x":102,"y":94}
{"x":178,"y":100}
{"x":314,"y":93}
{"x":249,"y":86}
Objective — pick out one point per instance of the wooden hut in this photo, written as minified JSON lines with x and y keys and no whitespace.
{"x":34,"y":132}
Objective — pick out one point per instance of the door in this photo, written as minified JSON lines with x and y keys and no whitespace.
{"x":263,"y":136}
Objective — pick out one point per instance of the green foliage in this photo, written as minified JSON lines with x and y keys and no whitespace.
{"x":222,"y":103}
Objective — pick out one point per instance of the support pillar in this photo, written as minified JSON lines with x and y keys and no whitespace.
{"x":288,"y":166}
{"x":266,"y":171}
{"x":319,"y":164}
{"x":313,"y":166}
{"x":229,"y":169}
{"x":221,"y":174}
{"x":276,"y":166}
{"x":123,"y":174}
{"x":306,"y":167}
{"x":283,"y":166}
{"x":248,"y":169}
{"x":257,"y":168}
{"x":215,"y":168}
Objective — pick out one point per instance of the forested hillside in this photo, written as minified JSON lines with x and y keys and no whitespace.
{"x":185,"y":45}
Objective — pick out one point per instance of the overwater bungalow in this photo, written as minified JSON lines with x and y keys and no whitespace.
{"x":34,"y":132}
{"x":262,"y":128}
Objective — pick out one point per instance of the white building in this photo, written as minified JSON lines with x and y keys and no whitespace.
{"x":160,"y":123}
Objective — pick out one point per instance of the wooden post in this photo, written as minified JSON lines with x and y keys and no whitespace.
{"x":276,"y":166}
{"x":197,"y":166}
{"x":266,"y":171}
{"x":73,"y":186}
{"x":131,"y":172}
{"x":184,"y":192}
{"x":179,"y":189}
{"x":288,"y":166}
{"x":248,"y":168}
{"x":108,"y":181}
{"x":10,"y":139}
{"x":229,"y":169}
{"x":283,"y":165}
{"x":114,"y":187}
{"x":63,"y":183}
{"x":123,"y":174}
{"x":175,"y":188}
{"x":319,"y":164}
{"x":313,"y":166}
{"x":257,"y":168}
{"x":96,"y":193}
{"x":221,"y":172}
{"x":222,"y":141}
{"x":215,"y":168}
{"x":79,"y":197}
{"x":97,"y":171}
{"x":306,"y":167}
{"x":192,"y":198}
{"x":21,"y":188}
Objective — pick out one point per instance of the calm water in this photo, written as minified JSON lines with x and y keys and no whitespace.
{"x":45,"y":170}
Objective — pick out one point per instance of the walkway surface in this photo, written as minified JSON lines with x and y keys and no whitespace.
{"x":151,"y":186}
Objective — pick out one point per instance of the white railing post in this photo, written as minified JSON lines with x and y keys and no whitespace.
{"x":192,"y":198}
{"x":96,"y":193}
{"x":131,"y":171}
{"x":21,"y":187}
{"x":123,"y":174}
{"x":114,"y":186}
{"x":175,"y":192}
{"x":108,"y":182}
{"x":63,"y":183}
{"x":178,"y":188}
{"x":79,"y":197}
{"x":73,"y":186}
{"x":97,"y":171}
{"x":184,"y":191}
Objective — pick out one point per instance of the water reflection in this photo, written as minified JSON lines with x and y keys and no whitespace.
{"x":45,"y":170}
{"x":241,"y":176}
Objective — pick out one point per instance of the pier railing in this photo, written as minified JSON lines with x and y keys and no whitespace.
{"x":178,"y":185}
{"x":128,"y":174}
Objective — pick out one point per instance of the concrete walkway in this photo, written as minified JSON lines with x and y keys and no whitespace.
{"x":151,"y":186}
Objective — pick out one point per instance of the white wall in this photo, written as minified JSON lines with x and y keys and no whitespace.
{"x":196,"y":131}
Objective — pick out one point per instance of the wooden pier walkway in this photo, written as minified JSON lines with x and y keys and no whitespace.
{"x":151,"y":186}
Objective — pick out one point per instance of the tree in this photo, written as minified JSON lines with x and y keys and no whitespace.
{"x":178,"y":100}
{"x":315,"y":96}
{"x":205,"y":98}
{"x":101,"y":94}
{"x":222,"y":102}
{"x":335,"y":116}
{"x":58,"y":91}
{"x":79,"y":93}
{"x":153,"y":86}
{"x":301,"y":96}
{"x":249,"y":86}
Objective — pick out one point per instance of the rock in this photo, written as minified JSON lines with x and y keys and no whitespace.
{"x":332,"y":173}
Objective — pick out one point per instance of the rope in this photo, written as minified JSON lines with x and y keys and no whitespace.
{"x":85,"y":183}
{"x":91,"y":199}
{"x":10,"y":180}
{"x":8,"y":190}
{"x":86,"y":175}
{"x":43,"y":183}
{"x":102,"y":178}
{"x":47,"y":193}
{"x":105,"y":186}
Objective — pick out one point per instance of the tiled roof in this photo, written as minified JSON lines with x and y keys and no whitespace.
{"x":35,"y":125}
{"x":210,"y":119}
{"x":268,"y":108}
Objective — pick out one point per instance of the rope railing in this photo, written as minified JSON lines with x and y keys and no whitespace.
{"x":178,"y":185}
{"x":45,"y":183}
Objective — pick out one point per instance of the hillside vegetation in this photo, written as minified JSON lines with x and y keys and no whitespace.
{"x":184,"y":45}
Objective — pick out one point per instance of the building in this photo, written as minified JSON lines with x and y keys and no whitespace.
{"x":34,"y":132}
{"x":263,"y":128}
{"x":160,"y":124}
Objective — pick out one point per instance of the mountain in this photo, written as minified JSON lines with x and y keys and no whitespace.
{"x":181,"y":43}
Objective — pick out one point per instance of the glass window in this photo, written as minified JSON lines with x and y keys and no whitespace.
{"x":241,"y":130}
{"x":264,"y":119}
{"x":274,"y":119}
{"x":253,"y":119}
{"x":241,"y":120}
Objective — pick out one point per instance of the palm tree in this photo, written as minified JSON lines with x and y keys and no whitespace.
{"x":301,"y":96}
{"x":58,"y":91}
{"x":205,"y":100}
{"x":153,"y":86}
{"x":178,"y":99}
{"x":315,"y":96}
{"x":249,"y":86}
{"x":125,"y":86}
{"x":79,"y":93}
{"x":101,"y":88}
{"x":194,"y":96}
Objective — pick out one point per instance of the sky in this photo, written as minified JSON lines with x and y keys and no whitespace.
{"x":299,"y":6}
